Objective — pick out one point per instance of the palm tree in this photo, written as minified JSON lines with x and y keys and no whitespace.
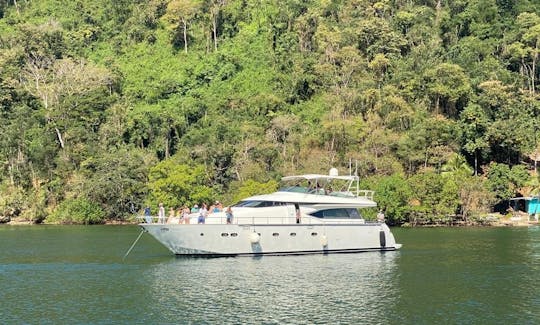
{"x":456,"y":165}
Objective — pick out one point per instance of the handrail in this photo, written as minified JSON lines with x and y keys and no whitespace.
{"x":288,"y":220}
{"x":368,"y":194}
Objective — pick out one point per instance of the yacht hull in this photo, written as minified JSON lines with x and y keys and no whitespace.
{"x":272,"y":239}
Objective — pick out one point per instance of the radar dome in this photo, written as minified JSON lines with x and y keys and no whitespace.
{"x":333,"y":172}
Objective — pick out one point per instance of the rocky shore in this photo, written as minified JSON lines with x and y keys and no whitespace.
{"x":19,"y":222}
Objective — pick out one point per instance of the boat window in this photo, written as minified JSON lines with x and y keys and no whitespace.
{"x":293,"y":234}
{"x":224,"y":234}
{"x":257,"y":204}
{"x":275,"y":234}
{"x":296,"y":189}
{"x":354,"y":214}
{"x":233,"y":234}
{"x":337,"y":214}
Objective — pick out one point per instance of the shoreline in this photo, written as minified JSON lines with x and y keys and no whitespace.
{"x":498,"y":223}
{"x":30,"y":223}
{"x":472,"y":225}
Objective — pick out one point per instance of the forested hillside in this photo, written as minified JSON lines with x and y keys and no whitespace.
{"x":110,"y":105}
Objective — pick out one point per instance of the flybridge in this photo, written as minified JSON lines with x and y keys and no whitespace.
{"x":333,"y":185}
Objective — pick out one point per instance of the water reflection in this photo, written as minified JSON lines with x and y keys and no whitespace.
{"x":276,"y":289}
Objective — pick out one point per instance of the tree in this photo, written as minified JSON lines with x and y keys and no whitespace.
{"x":505,"y":181}
{"x":393,"y":195}
{"x":475,"y":197}
{"x":116,"y":181}
{"x":214,"y":7}
{"x":447,"y":84}
{"x":526,"y":48}
{"x":77,"y":211}
{"x":456,"y":166}
{"x":57,"y":82}
{"x":474,"y":125}
{"x":176,"y":184}
{"x":181,"y":12}
{"x":437,"y":197}
{"x":251,"y":187}
{"x":428,"y":143}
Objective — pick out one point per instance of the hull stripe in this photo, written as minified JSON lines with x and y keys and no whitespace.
{"x":329,"y":251}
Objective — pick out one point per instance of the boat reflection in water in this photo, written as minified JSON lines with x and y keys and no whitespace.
{"x":309,"y":289}
{"x":310,"y":214}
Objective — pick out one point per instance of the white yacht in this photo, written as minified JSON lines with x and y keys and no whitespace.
{"x":310,"y":214}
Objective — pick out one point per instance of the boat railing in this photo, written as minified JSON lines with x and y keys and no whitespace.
{"x":150,"y":219}
{"x":268,"y":220}
{"x":218,"y":220}
{"x":368,"y":194}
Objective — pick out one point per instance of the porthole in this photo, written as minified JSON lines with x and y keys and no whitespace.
{"x":293,"y":234}
{"x":313,"y":234}
{"x":233,"y":234}
{"x":202,"y":234}
{"x":275,"y":234}
{"x":224,"y":234}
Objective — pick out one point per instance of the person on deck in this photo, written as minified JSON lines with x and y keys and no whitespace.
{"x":203,"y":213}
{"x":218,"y":207}
{"x":211,"y":209}
{"x":171,"y":218}
{"x":161,"y":213}
{"x":185,"y":214}
{"x":380,"y":216}
{"x":229,"y":215}
{"x":147,"y":215}
{"x":180,"y":214}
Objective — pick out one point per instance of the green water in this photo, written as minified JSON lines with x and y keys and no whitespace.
{"x":75,"y":275}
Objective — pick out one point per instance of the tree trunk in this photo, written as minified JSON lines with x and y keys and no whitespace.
{"x":476,"y":163}
{"x":11,"y":177}
{"x":167,"y":153}
{"x":185,"y":34}
{"x":214,"y":31}
{"x":16,"y":6}
{"x":59,"y":135}
{"x":208,"y":37}
{"x":533,"y":72}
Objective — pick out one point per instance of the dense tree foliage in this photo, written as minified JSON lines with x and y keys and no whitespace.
{"x":110,"y":105}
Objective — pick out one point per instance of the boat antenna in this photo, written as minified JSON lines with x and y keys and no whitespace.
{"x":356,"y":167}
{"x":350,"y":166}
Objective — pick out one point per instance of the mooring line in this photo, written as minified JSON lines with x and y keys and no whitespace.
{"x":135,"y":242}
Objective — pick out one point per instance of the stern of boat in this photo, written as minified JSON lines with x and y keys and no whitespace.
{"x":389,"y":240}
